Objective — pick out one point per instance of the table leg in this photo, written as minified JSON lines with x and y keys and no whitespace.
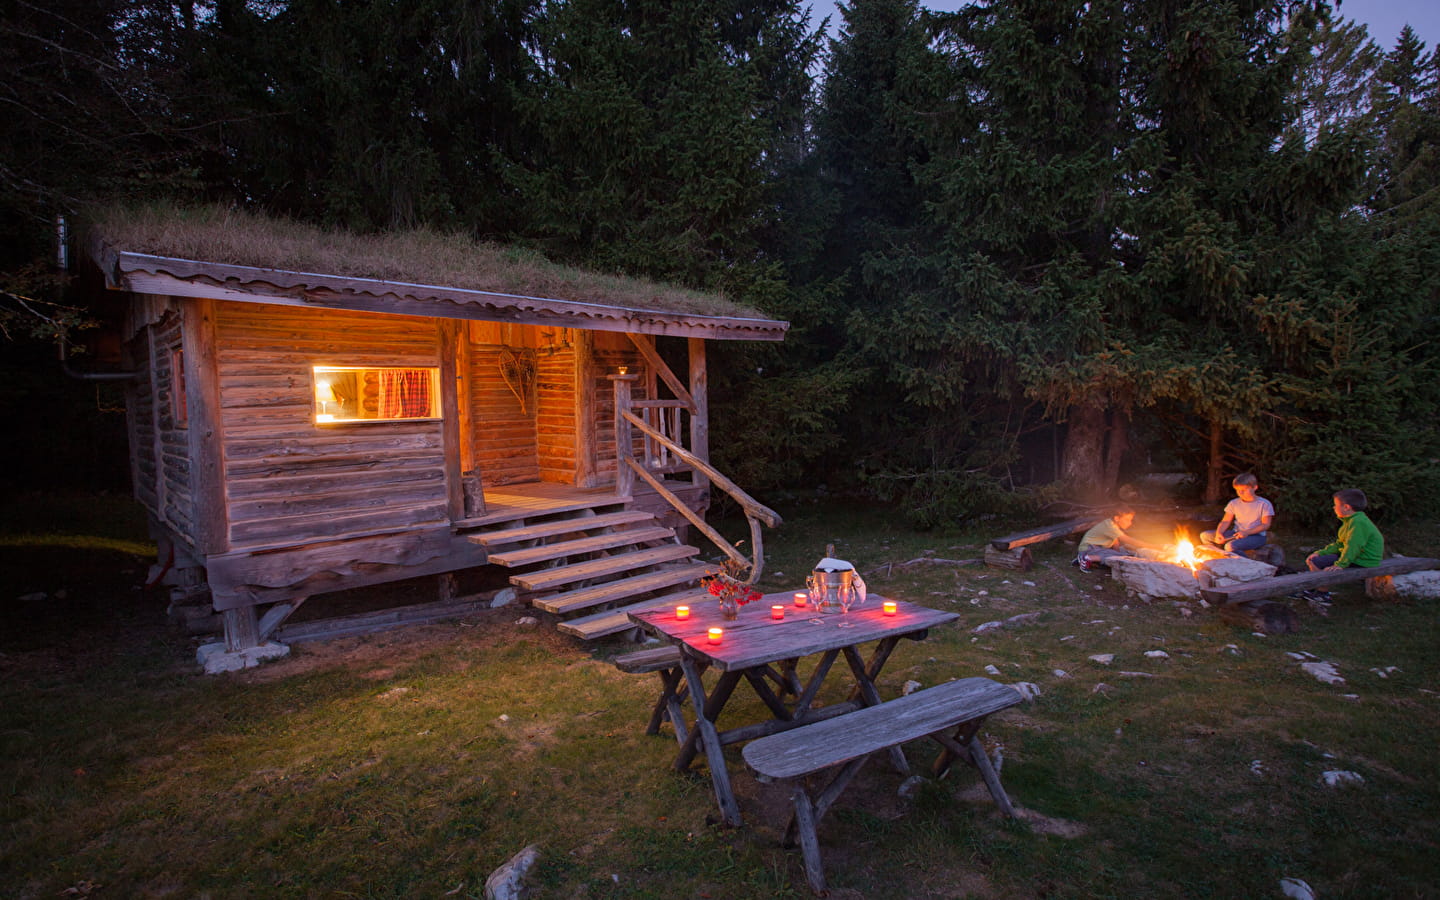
{"x":712,"y":706}
{"x":865,"y":684}
{"x":705,"y":730}
{"x":812,"y":687}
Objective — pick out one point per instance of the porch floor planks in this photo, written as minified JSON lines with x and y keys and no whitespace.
{"x":545,"y":579}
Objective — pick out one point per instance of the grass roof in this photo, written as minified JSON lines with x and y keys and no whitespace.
{"x":423,"y":255}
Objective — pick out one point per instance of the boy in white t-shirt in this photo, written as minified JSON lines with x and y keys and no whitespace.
{"x":1246,"y":525}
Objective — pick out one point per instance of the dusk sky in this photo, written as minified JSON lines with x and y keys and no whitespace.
{"x":1384,"y":18}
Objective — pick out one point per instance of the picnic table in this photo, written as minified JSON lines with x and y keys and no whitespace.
{"x":762,"y":651}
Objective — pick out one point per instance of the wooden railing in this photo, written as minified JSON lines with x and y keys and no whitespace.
{"x":659,"y":425}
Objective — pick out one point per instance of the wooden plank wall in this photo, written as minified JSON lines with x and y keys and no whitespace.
{"x":503,"y":428}
{"x":173,"y":497}
{"x":289,"y":480}
{"x":140,"y":417}
{"x":555,"y":414}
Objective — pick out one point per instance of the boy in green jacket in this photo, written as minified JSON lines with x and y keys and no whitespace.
{"x":1359,"y":542}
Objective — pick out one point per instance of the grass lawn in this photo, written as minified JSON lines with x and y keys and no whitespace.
{"x":413,"y":763}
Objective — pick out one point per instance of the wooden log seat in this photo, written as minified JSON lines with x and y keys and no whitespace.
{"x":1289,"y":584}
{"x":1048,"y":533}
{"x":950,"y":714}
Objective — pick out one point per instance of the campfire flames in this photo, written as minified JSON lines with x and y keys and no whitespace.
{"x":1188,"y":555}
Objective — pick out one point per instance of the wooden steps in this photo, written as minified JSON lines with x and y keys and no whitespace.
{"x":614,"y":621}
{"x":609,"y":541}
{"x":616,"y":591}
{"x":546,"y":579}
{"x":592,"y":567}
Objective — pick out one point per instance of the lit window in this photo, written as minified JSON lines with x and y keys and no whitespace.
{"x":366,"y":394}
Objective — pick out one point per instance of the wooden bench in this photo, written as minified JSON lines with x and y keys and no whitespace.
{"x":1013,"y":550}
{"x":673,"y":691}
{"x":950,"y":714}
{"x":1289,"y":584}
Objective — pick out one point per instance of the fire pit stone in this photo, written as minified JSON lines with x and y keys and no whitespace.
{"x":1230,"y":570}
{"x":1149,"y":579}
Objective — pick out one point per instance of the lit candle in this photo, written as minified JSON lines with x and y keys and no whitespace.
{"x":801,"y":598}
{"x":888,"y":608}
{"x":682,"y":612}
{"x":777,"y":612}
{"x":715,"y":634}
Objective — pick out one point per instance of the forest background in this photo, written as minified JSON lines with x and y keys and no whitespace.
{"x":1029,"y":249}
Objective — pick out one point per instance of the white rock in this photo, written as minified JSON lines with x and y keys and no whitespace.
{"x":1340,"y":778}
{"x":910,"y":786}
{"x":1230,"y":570}
{"x":1296,"y":889}
{"x":1385,"y":672}
{"x":1412,"y":586}
{"x":991,"y":670}
{"x":1257,"y":768}
{"x":1026,"y":689}
{"x":1101,"y":688}
{"x":1068,"y":637}
{"x":503,"y":597}
{"x":1060,"y":673}
{"x":1149,"y":579}
{"x":909,"y":688}
{"x":1028,"y":583}
{"x":1231,"y":649}
{"x":1157,"y":654}
{"x":508,"y":881}
{"x":1022,"y":619}
{"x":527,"y":620}
{"x":986,"y":627}
{"x":1323,"y":671}
{"x":981,"y":593}
{"x":214,"y":658}
{"x":1103,"y":659}
{"x":1136,"y":674}
{"x":1301,"y":656}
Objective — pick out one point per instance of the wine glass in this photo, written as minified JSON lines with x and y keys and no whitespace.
{"x":815,"y":584}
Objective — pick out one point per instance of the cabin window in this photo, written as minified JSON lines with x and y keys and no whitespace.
{"x":376,"y":393}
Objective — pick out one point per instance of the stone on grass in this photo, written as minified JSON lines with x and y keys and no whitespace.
{"x":909,"y":688}
{"x":984,"y":627}
{"x":1296,"y":889}
{"x":1323,"y":671}
{"x":1341,"y":778}
{"x":214,"y":658}
{"x":1157,"y":654}
{"x":503,"y":597}
{"x":1150,"y":579}
{"x":509,"y":882}
{"x":1101,"y":688}
{"x":1060,"y":673}
{"x":527,"y":620}
{"x":1385,"y":672}
{"x":991,"y":670}
{"x":1103,"y":659}
{"x":1026,"y":689}
{"x":1410,"y":586}
{"x":1228,"y":570}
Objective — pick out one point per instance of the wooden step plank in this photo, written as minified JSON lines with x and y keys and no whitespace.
{"x":545,"y":579}
{"x":559,"y":526}
{"x":613,"y":621}
{"x":527,"y":555}
{"x":569,"y":601}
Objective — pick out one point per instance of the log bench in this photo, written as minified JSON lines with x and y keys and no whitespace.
{"x":1289,"y":584}
{"x":950,"y":714}
{"x":1013,"y":550}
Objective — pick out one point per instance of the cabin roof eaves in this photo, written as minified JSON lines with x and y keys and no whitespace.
{"x":149,"y":274}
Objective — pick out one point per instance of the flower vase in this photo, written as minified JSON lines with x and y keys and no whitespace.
{"x":729,"y":608}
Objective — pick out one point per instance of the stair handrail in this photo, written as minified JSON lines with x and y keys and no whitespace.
{"x":755,"y":511}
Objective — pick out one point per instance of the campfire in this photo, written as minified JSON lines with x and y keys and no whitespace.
{"x":1188,"y":555}
{"x":1182,"y":569}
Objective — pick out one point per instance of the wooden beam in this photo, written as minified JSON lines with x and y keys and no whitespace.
{"x":646,"y":345}
{"x":1287,"y":584}
{"x":448,"y":340}
{"x":205,"y":430}
{"x":699,"y":408}
{"x":586,"y":405}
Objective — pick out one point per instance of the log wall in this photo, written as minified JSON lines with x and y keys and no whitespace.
{"x":159,"y":437}
{"x":503,"y":423}
{"x":290,"y":480}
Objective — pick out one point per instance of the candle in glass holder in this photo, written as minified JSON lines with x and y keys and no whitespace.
{"x":715,"y":635}
{"x":801,"y":598}
{"x":888,"y":608}
{"x":682,"y":612}
{"x":777,"y":612}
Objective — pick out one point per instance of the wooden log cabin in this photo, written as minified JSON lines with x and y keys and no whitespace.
{"x":295,"y":434}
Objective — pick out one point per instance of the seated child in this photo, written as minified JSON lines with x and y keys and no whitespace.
{"x":1103,"y":540}
{"x":1359,"y":542}
{"x":1246,"y":524}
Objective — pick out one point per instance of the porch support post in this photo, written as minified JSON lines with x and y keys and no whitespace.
{"x":586,"y":401}
{"x":448,"y":341}
{"x":624,"y":439}
{"x":700,"y":412}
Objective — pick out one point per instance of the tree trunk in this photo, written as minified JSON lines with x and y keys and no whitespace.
{"x":1083,"y":466}
{"x":1214,"y":466}
{"x":1116,"y":446}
